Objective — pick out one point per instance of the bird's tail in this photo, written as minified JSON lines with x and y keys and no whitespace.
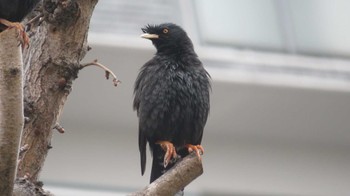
{"x":158,"y":163}
{"x":142,"y":148}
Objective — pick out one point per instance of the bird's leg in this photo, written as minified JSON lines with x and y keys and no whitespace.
{"x":23,"y":37}
{"x":170,"y":151}
{"x":197,"y":148}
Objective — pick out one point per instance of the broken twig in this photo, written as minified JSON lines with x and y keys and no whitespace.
{"x":59,"y":128}
{"x":23,"y":149}
{"x":116,"y":81}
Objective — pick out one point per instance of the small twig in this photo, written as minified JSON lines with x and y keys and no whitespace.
{"x":173,"y":181}
{"x":26,"y":176}
{"x":26,"y":119}
{"x":59,"y":128}
{"x":29,"y":24}
{"x":34,"y":19}
{"x":23,"y":149}
{"x":116,"y":81}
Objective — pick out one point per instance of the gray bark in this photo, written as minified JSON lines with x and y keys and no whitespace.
{"x":11,"y":108}
{"x":52,"y":62}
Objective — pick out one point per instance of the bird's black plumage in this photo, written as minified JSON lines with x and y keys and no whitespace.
{"x":16,"y":10}
{"x":171,"y":95}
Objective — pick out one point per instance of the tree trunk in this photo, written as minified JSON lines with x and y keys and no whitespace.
{"x":52,"y":62}
{"x":11,"y":108}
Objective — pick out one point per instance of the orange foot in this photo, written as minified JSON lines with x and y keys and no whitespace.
{"x":23,"y":37}
{"x":197,"y":148}
{"x":169,"y":149}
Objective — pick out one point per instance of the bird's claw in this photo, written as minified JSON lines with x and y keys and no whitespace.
{"x":170,"y":151}
{"x":197,"y":148}
{"x":22,"y":36}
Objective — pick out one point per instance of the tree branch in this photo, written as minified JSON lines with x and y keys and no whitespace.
{"x":11,"y":108}
{"x":115,"y":80}
{"x":59,"y":128}
{"x":173,"y":181}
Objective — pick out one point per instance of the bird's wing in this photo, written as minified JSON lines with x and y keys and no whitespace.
{"x":202,"y":106}
{"x":138,"y":92}
{"x":138,"y":86}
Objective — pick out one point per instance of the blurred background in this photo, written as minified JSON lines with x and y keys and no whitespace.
{"x":280,"y":105}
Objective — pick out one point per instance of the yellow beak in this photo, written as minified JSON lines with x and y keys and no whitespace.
{"x":150,"y":36}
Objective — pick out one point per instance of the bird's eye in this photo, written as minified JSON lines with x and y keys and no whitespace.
{"x":165,"y":31}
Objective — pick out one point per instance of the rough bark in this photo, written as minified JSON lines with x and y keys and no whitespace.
{"x":11,"y":108}
{"x":24,"y":187}
{"x":52,"y":62}
{"x":173,"y":181}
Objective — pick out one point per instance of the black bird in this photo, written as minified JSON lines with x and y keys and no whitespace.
{"x":171,"y":98}
{"x":12,"y":12}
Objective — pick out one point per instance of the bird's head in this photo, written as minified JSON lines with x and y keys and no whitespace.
{"x":168,"y":38}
